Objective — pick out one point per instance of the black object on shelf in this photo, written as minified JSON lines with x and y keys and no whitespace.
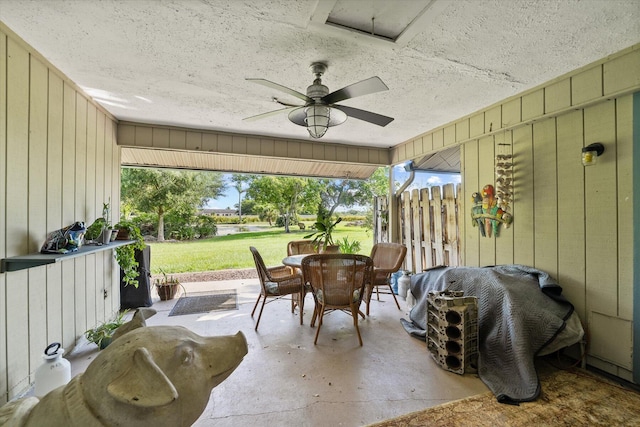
{"x":132,"y":297}
{"x":22,"y":262}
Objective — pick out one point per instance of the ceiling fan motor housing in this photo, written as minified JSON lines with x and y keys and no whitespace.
{"x":317,"y":90}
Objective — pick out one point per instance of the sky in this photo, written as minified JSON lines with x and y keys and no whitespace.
{"x":422,"y":180}
{"x":229,"y":199}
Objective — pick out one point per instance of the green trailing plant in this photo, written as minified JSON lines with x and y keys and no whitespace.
{"x":95,"y":229}
{"x":324,"y":230}
{"x":349,"y":247}
{"x":125,"y":228}
{"x":101,"y":334}
{"x":126,"y":255}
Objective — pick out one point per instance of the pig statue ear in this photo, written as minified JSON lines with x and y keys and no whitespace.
{"x":143,"y":384}
{"x":138,"y":321}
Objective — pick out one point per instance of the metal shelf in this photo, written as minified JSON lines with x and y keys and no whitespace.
{"x":35,"y":260}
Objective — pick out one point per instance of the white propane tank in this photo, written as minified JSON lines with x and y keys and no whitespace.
{"x":404,"y":282}
{"x":54,"y":372}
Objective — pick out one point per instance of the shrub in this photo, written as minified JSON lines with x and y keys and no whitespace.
{"x":227,"y":219}
{"x":293,"y":220}
{"x":205,"y":226}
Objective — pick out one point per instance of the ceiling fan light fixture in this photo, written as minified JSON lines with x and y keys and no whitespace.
{"x":317,"y":120}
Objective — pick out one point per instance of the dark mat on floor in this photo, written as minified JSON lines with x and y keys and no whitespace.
{"x":204,"y":302}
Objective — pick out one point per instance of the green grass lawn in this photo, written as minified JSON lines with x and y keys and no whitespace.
{"x":232,"y":251}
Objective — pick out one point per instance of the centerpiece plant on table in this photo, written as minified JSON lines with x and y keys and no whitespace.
{"x":322,"y":237}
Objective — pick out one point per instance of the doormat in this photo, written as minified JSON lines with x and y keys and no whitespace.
{"x":204,"y":302}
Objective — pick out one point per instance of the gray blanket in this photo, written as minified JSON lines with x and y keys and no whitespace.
{"x":520,"y":310}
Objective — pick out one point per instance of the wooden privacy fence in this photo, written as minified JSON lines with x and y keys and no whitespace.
{"x":428,"y":226}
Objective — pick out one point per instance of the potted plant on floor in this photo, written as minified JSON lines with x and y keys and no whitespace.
{"x":167,"y":286}
{"x":101,"y":334}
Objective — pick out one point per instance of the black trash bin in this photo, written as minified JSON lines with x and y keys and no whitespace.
{"x":130,"y":296}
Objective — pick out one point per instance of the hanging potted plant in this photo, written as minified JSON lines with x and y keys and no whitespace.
{"x":167,"y":286}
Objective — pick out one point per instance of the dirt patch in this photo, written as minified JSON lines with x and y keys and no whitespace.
{"x":213,"y":276}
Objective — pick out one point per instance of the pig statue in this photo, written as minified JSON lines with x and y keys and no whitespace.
{"x":151,"y":376}
{"x":138,"y":320}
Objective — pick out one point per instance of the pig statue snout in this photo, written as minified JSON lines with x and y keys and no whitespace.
{"x":151,"y":376}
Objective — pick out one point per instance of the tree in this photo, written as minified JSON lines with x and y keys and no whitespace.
{"x":349,"y":193}
{"x":284,"y":194}
{"x":379,"y":182}
{"x":267,"y":213}
{"x":238,"y":182}
{"x":163,"y":191}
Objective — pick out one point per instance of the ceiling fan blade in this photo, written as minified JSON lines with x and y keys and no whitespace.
{"x":364,"y":87}
{"x":268,"y":114}
{"x":284,"y":89}
{"x":367,"y":116}
{"x":286,"y":104}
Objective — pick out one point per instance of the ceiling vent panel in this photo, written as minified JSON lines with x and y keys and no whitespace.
{"x":395,"y":21}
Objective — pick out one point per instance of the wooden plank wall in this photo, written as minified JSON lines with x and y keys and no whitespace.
{"x":62,"y":162}
{"x":574,"y":222}
{"x":571,"y":221}
{"x":429,"y":226}
{"x":167,"y":137}
{"x":174,"y":147}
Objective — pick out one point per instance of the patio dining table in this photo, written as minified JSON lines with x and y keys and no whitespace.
{"x":294,"y":260}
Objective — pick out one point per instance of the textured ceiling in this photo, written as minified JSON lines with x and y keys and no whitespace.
{"x":184,"y":62}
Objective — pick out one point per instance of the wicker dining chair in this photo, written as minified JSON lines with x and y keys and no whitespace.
{"x":276,"y":283}
{"x":299,"y":247}
{"x":338,"y":284}
{"x":387,"y":259}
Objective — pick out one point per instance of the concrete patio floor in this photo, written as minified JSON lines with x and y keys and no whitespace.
{"x":286,"y":380}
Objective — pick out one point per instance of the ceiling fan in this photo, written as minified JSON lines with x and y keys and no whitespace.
{"x":320,"y":110}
